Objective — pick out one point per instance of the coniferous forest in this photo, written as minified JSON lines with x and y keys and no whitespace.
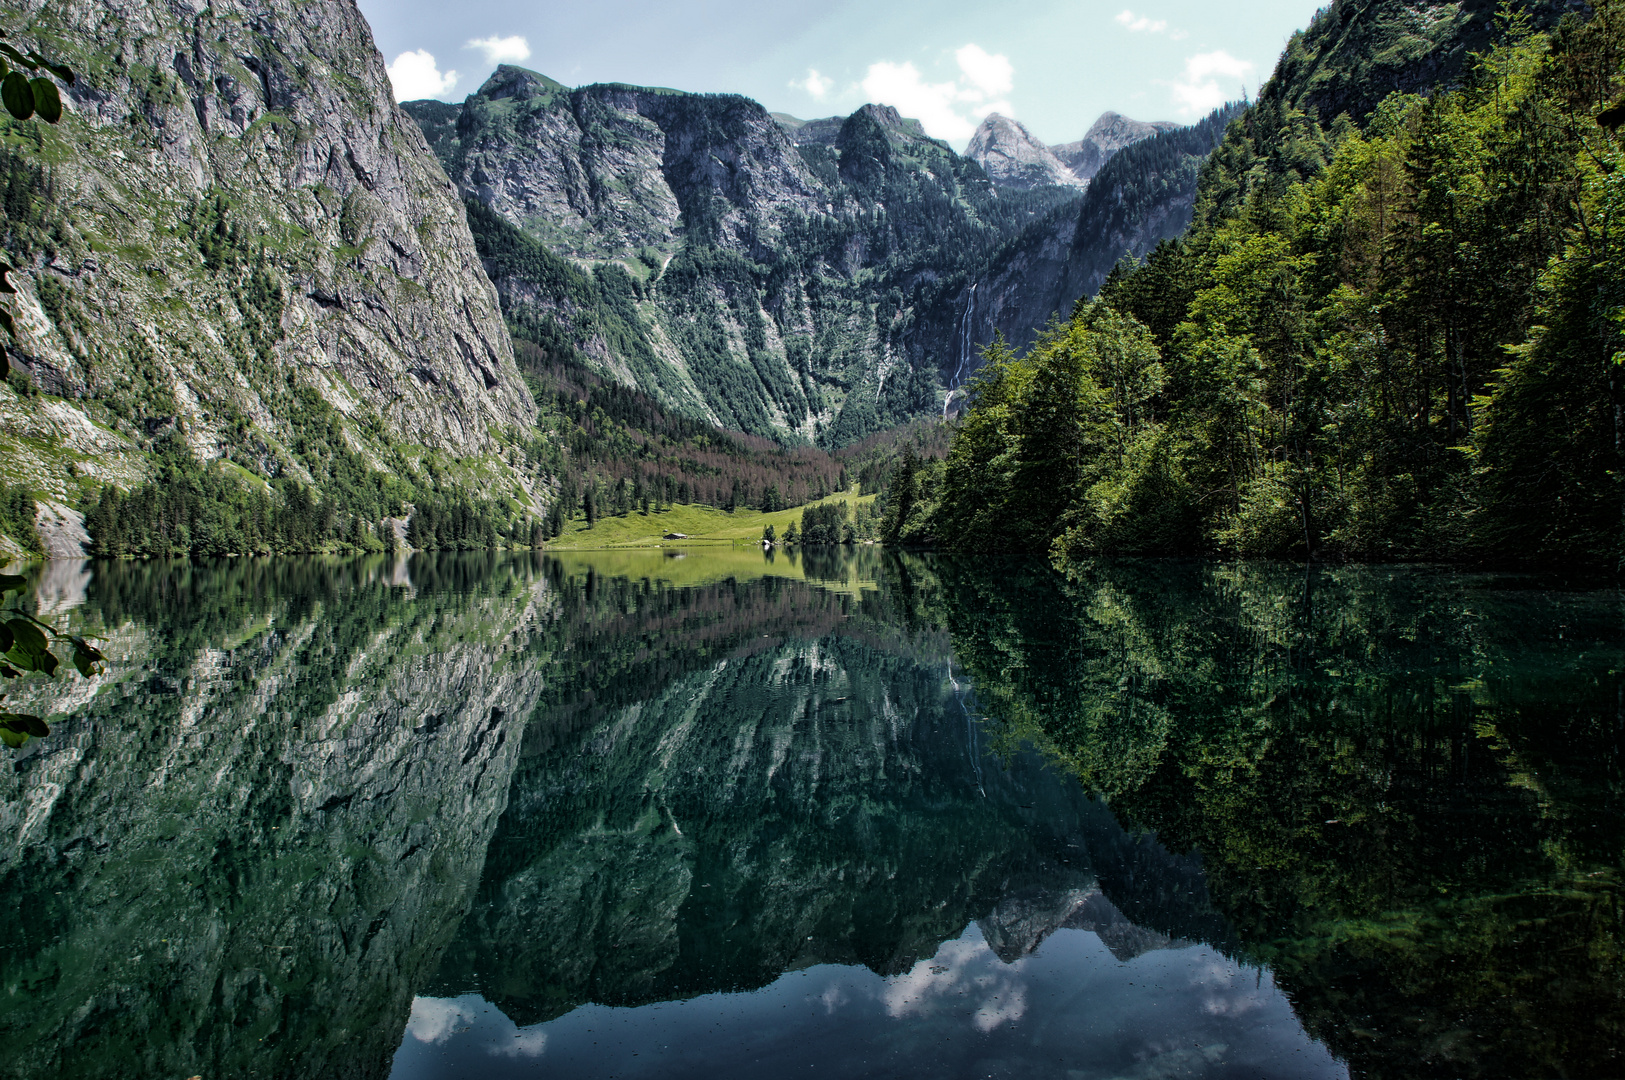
{"x":1397,"y":336}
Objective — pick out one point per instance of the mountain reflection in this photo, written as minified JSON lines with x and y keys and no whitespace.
{"x":317,"y":803}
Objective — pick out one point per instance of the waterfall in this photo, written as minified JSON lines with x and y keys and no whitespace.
{"x":964,"y":349}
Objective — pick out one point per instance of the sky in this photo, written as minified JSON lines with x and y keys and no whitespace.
{"x":1054,"y":65}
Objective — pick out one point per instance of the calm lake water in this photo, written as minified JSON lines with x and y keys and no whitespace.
{"x":852,"y":814}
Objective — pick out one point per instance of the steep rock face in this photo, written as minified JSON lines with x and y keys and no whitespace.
{"x":246,"y":849}
{"x":814,"y":279}
{"x":1357,"y":52}
{"x":1105,"y":137}
{"x":778,"y":276}
{"x":237,"y":209}
{"x":1145,"y":194}
{"x":1012,"y":157}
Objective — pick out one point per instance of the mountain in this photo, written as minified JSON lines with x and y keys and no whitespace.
{"x":236,"y":241}
{"x":1143,"y":195}
{"x":237,"y":249}
{"x":1106,"y":136}
{"x":775,"y":276}
{"x":1013,"y":158}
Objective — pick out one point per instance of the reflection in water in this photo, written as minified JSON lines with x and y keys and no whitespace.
{"x":732,"y":815}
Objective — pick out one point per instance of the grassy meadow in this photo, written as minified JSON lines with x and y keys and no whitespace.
{"x":704,"y":526}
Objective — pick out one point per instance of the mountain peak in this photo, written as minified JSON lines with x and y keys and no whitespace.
{"x":1113,"y":131}
{"x":511,"y":81}
{"x":893,"y":121}
{"x":1107,"y":135}
{"x":1013,"y":157}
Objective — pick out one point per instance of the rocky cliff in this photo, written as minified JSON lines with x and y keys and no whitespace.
{"x":802,"y":279}
{"x":1013,"y":157}
{"x":235,"y":215}
{"x":1144,"y":194}
{"x":788,"y":278}
{"x":1105,"y":137}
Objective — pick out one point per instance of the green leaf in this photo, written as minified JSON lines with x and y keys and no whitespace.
{"x":86,"y":656}
{"x":5,"y":285}
{"x":17,"y":95}
{"x":13,"y":739}
{"x":10,"y":583}
{"x":61,"y":71}
{"x":6,"y":640}
{"x":28,"y":725}
{"x":27,"y":637}
{"x":29,"y":649}
{"x":18,"y":58}
{"x":47,"y":101}
{"x":9,"y":672}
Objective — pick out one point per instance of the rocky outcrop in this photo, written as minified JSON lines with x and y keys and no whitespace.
{"x":237,"y":212}
{"x":1106,"y":136}
{"x":1013,"y":158}
{"x":61,"y":530}
{"x":1145,"y":194}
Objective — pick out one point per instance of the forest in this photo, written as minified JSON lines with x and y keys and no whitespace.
{"x":1396,"y":336}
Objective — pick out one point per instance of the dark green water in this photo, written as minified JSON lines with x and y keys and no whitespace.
{"x":853,"y":815}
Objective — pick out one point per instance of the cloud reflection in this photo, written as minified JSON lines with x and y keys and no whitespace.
{"x":435,"y":1020}
{"x":964,"y":972}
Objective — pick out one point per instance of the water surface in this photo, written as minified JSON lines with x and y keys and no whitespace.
{"x":842,"y":815}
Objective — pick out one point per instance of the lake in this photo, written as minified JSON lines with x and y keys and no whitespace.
{"x":841,"y":814}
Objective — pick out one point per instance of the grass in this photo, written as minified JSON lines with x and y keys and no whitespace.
{"x":703,"y":525}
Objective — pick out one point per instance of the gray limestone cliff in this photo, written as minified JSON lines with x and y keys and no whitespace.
{"x":234,"y":214}
{"x":1013,"y":157}
{"x":802,"y":279}
{"x":1144,"y":194}
{"x":782,"y":277}
{"x":1105,"y":137}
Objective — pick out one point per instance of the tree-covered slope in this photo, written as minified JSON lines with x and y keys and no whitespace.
{"x":1393,"y":338}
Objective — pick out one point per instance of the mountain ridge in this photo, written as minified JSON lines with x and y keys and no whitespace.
{"x":234,"y":239}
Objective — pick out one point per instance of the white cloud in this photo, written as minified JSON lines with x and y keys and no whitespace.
{"x":817,"y":86}
{"x":415,"y":75}
{"x":502,"y":50}
{"x":1141,"y":24}
{"x":947,"y":110}
{"x":902,"y":86}
{"x":1201,"y":90}
{"x":991,"y":74}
